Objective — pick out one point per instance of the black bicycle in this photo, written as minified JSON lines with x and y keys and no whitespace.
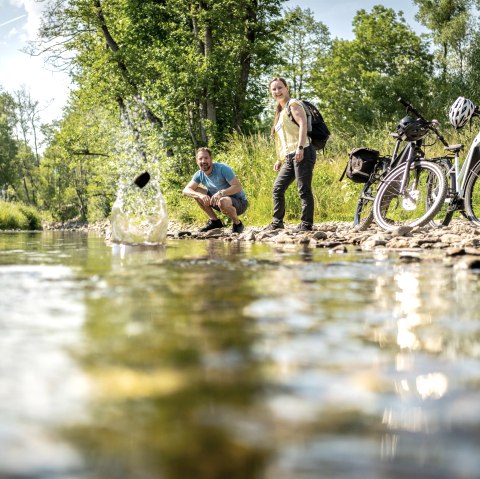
{"x":408,"y":143}
{"x":414,"y":190}
{"x":363,"y":216}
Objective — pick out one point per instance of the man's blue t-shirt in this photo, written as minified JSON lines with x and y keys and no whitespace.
{"x":218,"y":180}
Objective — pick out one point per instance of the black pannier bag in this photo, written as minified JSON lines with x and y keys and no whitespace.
{"x":361,"y":164}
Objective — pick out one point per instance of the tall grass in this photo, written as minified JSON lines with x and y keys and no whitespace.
{"x":17,"y":216}
{"x":252,"y":159}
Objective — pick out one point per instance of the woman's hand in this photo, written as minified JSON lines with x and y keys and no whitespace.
{"x":298,"y":155}
{"x":277,"y":165}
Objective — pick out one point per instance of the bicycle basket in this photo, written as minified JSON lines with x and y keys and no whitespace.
{"x":361,"y":164}
{"x":410,"y":129}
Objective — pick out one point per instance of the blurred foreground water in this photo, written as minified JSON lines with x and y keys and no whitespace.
{"x":205,"y":360}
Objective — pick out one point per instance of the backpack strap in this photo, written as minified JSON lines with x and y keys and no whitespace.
{"x":289,"y":112}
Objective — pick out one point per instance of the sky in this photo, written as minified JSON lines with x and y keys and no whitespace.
{"x":20,"y":19}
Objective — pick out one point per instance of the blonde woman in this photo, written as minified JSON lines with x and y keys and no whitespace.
{"x":296,"y":157}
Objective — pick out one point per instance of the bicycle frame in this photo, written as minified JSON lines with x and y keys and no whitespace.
{"x":410,"y":153}
{"x":462,"y":174}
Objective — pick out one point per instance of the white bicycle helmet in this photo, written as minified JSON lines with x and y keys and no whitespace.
{"x":460,"y":112}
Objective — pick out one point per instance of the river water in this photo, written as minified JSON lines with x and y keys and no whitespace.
{"x":211,"y":360}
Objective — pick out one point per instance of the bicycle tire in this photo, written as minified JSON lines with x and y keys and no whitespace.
{"x":472,"y":195}
{"x":363,"y":217}
{"x":392,"y":209}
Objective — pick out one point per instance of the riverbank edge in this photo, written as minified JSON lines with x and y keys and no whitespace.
{"x":461,"y":239}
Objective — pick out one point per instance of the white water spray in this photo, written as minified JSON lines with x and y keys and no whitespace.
{"x":139,"y":214}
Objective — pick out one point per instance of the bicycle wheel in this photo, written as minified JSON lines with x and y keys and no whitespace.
{"x":392,"y":208}
{"x":472,"y":195}
{"x":364,"y":212}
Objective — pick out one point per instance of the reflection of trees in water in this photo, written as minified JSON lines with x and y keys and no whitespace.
{"x":169,"y":353}
{"x":426,"y":338}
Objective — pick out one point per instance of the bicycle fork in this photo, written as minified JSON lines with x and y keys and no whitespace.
{"x":410,"y":196}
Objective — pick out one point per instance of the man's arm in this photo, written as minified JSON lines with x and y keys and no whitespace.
{"x":235,"y":187}
{"x":193,"y":191}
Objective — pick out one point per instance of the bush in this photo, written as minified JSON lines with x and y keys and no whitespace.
{"x":17,"y":216}
{"x":34,"y":220}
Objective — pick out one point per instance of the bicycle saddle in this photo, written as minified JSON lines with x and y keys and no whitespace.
{"x":455,"y":148}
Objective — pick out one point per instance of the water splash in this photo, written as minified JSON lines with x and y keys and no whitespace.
{"x":139,"y":214}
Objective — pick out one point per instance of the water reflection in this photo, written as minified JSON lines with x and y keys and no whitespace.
{"x":214,"y":360}
{"x":171,"y":362}
{"x":419,"y":425}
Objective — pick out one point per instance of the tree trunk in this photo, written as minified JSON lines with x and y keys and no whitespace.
{"x":245,"y":60}
{"x":113,"y":46}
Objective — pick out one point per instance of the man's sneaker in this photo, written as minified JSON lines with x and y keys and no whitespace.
{"x":238,"y":228}
{"x":303,"y":227}
{"x":211,"y":225}
{"x":274,"y":226}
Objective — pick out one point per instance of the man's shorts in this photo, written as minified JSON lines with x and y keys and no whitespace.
{"x":240,"y":205}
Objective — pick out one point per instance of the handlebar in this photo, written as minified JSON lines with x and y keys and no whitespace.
{"x":410,"y":109}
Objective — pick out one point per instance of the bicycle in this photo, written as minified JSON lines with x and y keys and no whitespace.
{"x":463,"y":192}
{"x":412,"y":192}
{"x":364,"y":215}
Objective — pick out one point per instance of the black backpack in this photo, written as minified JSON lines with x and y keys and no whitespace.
{"x":360,"y":165}
{"x":317,"y":130}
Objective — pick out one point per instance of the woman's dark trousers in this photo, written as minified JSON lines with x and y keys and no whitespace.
{"x":301,"y":171}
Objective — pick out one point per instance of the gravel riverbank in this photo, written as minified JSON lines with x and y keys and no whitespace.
{"x":460,"y":239}
{"x":458,"y":243}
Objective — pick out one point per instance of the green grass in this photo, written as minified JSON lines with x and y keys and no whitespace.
{"x":17,"y":216}
{"x":252,"y":159}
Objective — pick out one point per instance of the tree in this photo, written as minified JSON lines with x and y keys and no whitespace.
{"x":27,"y":123}
{"x":8,"y":145}
{"x":305,"y":41}
{"x":450,"y":23}
{"x":359,"y":82}
{"x":186,"y":66}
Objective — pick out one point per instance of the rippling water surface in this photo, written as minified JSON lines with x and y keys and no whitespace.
{"x":205,"y":360}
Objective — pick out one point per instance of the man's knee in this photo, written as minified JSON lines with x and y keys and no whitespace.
{"x":224,"y":203}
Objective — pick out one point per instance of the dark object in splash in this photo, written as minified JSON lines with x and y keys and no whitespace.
{"x":142,"y":179}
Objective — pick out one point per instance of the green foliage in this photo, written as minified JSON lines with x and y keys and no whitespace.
{"x":8,"y":145}
{"x":363,"y":77}
{"x":156,"y":80}
{"x":17,"y":216}
{"x":32,"y":215}
{"x":450,"y":22}
{"x":305,"y":42}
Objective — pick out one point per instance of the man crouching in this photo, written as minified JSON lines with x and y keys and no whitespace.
{"x":221,"y":191}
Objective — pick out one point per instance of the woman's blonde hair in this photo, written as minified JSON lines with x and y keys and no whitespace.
{"x":279,"y":107}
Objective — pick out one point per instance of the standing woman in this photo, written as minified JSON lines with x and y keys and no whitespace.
{"x":296,"y":156}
